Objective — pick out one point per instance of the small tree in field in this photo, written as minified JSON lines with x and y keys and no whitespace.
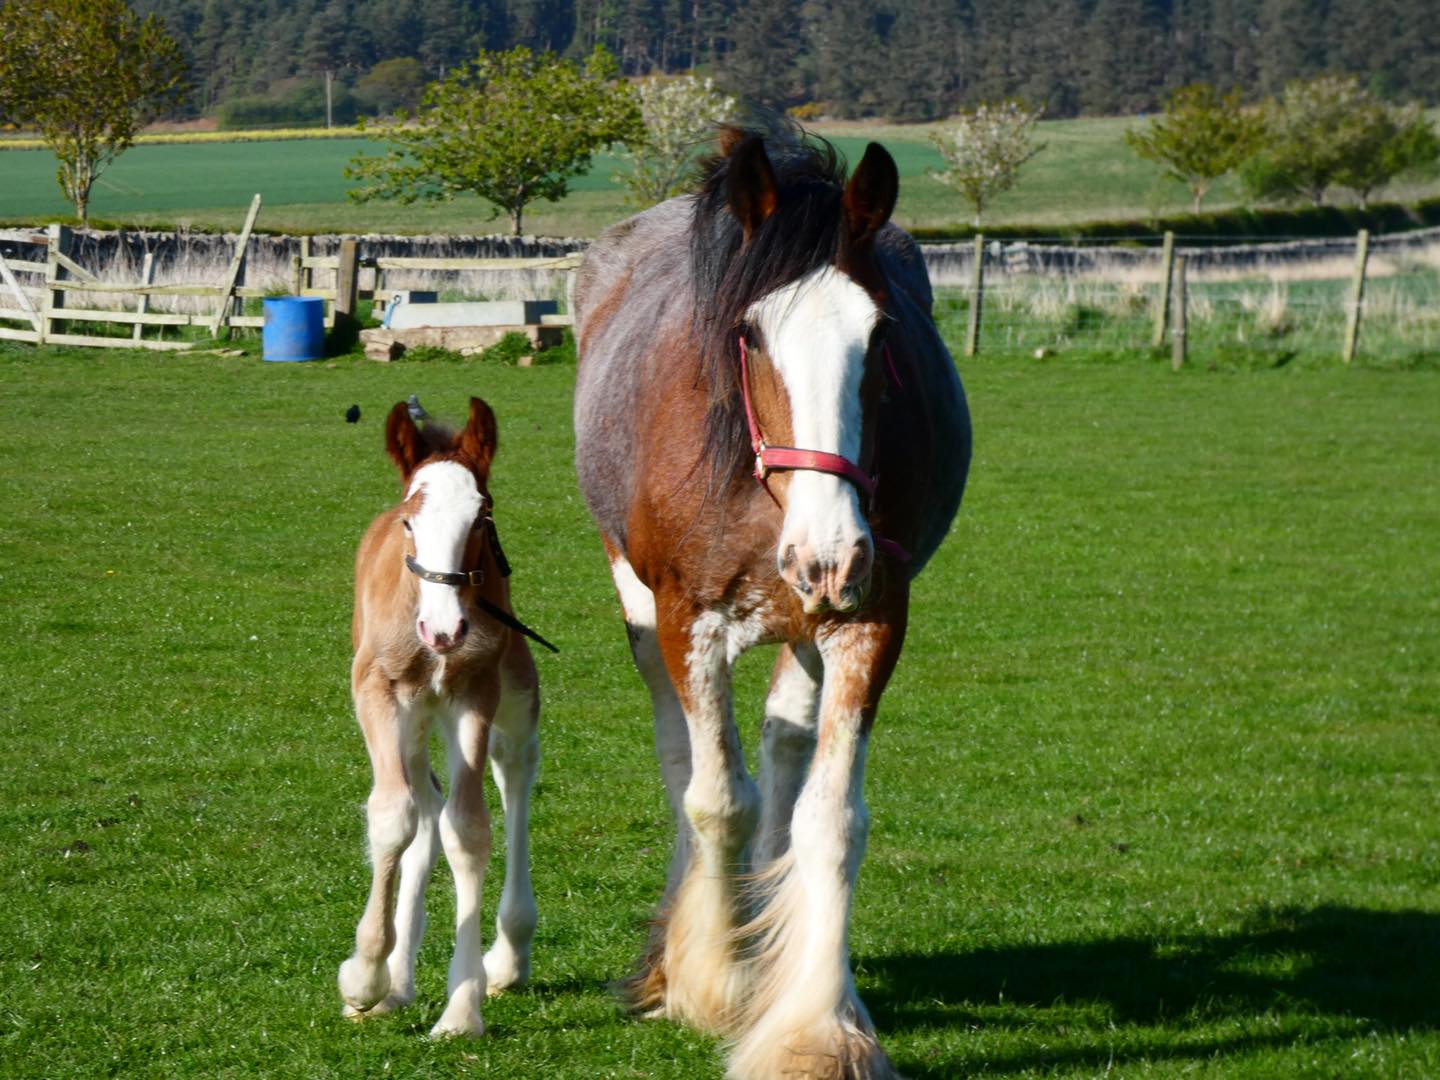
{"x":1200,"y":137}
{"x":88,"y":74}
{"x":984,"y":148}
{"x":679,"y":115}
{"x":511,"y":127}
{"x":1331,"y":131}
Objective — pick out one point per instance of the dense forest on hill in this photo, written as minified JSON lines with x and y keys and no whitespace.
{"x":912,"y":60}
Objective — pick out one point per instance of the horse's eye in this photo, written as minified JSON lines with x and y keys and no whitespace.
{"x":406,"y":523}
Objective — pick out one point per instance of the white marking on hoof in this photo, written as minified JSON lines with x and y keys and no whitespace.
{"x":504,"y":970}
{"x":363,"y":985}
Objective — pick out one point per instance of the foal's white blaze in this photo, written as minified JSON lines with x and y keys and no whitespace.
{"x":817,"y":331}
{"x":449,"y":505}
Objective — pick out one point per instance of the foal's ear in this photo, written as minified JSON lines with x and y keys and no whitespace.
{"x":752,"y":184}
{"x":871,"y":194}
{"x":480,"y":437}
{"x":402,"y":439}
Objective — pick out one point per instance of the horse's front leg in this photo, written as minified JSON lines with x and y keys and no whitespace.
{"x":465,"y":832}
{"x":787,"y":744}
{"x":645,"y":990}
{"x":392,"y":817}
{"x":702,"y":975}
{"x":804,"y":1017}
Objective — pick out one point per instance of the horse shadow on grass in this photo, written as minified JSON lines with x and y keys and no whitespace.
{"x":1347,"y":968}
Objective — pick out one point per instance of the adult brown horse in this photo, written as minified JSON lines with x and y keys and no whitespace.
{"x":773,"y":441}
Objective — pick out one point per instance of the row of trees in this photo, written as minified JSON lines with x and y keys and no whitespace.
{"x":1319,"y":133}
{"x":916,"y":60}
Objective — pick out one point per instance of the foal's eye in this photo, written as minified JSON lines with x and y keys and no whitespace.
{"x":406,"y":523}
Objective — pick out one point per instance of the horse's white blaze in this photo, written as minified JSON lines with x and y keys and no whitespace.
{"x":817,"y":331}
{"x":448,"y":509}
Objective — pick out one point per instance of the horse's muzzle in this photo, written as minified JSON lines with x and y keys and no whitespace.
{"x":828,"y":583}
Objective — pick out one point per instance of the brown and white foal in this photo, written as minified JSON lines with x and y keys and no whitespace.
{"x":426,"y":653}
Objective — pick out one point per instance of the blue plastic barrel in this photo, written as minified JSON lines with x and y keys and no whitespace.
{"x":294,"y":328}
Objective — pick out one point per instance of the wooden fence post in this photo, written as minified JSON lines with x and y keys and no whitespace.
{"x":297,"y":275}
{"x":1167,"y":273}
{"x":237,"y":267}
{"x":347,"y":278}
{"x":55,"y":272}
{"x":977,"y":296}
{"x":345,"y":329}
{"x":147,"y":277}
{"x":1357,"y":295}
{"x":1178,"y":320}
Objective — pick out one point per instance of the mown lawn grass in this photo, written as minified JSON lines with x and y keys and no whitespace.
{"x":1153,"y":791}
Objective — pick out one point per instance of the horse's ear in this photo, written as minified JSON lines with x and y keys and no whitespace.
{"x":403,"y":441}
{"x":728,"y":138}
{"x":871,"y":194}
{"x":753,"y":187}
{"x":480,"y":437}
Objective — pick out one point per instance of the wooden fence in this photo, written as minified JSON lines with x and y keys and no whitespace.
{"x":48,"y":310}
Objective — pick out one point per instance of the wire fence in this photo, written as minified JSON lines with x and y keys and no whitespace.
{"x":1255,"y":305}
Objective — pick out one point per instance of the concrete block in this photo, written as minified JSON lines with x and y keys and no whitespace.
{"x":507,"y":313}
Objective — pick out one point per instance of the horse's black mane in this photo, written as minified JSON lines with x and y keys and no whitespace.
{"x":729,"y":274}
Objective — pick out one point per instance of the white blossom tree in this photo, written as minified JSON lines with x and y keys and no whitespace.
{"x":680,"y":115}
{"x":984,"y":148}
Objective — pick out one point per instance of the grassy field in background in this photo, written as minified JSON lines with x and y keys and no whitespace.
{"x":1153,"y":792}
{"x":1085,"y":173}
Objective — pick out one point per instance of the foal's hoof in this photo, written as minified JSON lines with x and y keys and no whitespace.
{"x":504,"y":970}
{"x":363,"y":985}
{"x":471,"y":1027}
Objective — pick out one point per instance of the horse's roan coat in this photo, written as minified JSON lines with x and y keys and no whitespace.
{"x":426,"y":652}
{"x":833,"y":306}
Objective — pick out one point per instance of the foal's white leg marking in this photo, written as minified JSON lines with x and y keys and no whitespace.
{"x":703,"y":977}
{"x":392,"y":818}
{"x":415,"y":868}
{"x":805,"y":1017}
{"x":514,"y":761}
{"x":788,"y":742}
{"x":465,"y":832}
{"x":817,"y":331}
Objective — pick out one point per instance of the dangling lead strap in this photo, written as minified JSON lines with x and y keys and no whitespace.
{"x":475,"y":577}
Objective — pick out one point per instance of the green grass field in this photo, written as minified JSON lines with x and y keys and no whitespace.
{"x":1085,"y":173}
{"x":1153,"y":791}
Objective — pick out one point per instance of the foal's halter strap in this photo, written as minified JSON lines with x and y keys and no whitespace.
{"x":460,"y":578}
{"x":770,"y":459}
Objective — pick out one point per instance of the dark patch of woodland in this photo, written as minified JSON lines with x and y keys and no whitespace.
{"x":915,"y":60}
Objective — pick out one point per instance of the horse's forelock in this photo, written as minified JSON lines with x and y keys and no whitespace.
{"x":803,"y":234}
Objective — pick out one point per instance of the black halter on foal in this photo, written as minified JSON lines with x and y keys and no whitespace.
{"x":475,"y":578}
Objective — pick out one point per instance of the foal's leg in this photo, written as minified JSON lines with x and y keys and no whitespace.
{"x":392,"y":817}
{"x":787,"y":746}
{"x":415,"y":868}
{"x":646,"y":990}
{"x":514,"y":760}
{"x":805,"y":1018}
{"x":465,"y":832}
{"x":703,"y":979}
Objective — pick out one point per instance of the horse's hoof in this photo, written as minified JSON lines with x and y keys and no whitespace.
{"x":471,"y":1027}
{"x":363,"y":985}
{"x":505,"y":971}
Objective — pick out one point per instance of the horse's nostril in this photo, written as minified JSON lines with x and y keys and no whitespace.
{"x":787,"y":557}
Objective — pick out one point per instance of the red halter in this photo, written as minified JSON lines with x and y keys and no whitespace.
{"x":770,"y":459}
